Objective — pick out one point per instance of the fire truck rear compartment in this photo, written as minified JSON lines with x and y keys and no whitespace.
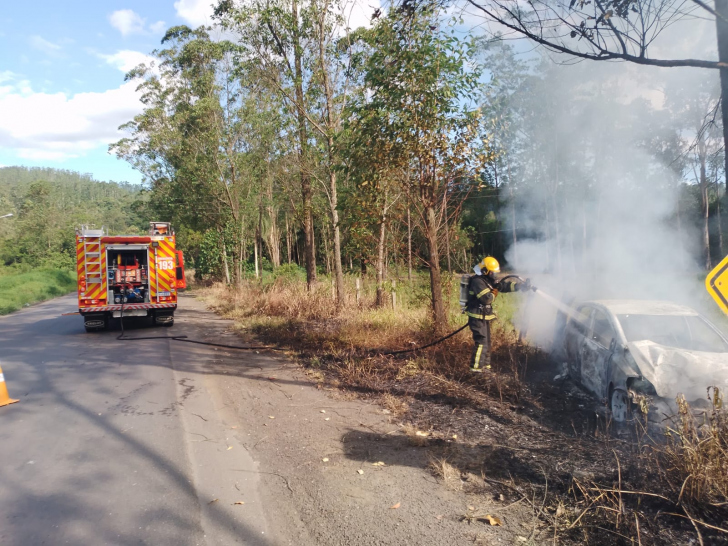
{"x":128,"y":274}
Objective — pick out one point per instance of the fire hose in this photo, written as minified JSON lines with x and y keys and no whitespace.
{"x":122,"y":337}
{"x":185,"y":339}
{"x":390,"y":353}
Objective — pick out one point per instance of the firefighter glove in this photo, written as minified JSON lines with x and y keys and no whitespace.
{"x":526,"y":285}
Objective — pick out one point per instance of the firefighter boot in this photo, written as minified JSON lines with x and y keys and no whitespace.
{"x":481,"y":359}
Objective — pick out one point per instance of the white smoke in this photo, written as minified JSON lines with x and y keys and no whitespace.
{"x":597,"y":201}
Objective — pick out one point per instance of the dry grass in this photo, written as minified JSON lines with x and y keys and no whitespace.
{"x":347,"y":343}
{"x":695,"y":456}
{"x":343,"y":348}
{"x":415,"y":436}
{"x":394,"y":405}
{"x":683,"y":477}
{"x":447,"y":473}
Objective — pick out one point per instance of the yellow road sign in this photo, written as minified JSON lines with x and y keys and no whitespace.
{"x":716,"y":283}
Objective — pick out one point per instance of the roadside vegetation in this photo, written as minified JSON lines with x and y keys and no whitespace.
{"x":513,"y":434}
{"x":37,"y":243}
{"x":20,"y":288}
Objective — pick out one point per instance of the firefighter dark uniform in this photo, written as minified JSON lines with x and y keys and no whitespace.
{"x":482,"y":290}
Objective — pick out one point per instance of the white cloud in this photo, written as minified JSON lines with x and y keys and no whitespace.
{"x":358,"y":13}
{"x":57,"y":126}
{"x":194,"y":12}
{"x":127,"y":22}
{"x":126,"y":59}
{"x":158,"y":27}
{"x":7,"y":75}
{"x":41,"y":44}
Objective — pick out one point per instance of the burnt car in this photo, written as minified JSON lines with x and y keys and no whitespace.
{"x":646,"y":352}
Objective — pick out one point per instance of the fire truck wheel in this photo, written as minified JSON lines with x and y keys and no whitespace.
{"x":164,"y":320}
{"x":95,"y":323}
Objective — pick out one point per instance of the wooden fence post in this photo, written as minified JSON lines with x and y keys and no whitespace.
{"x":394,"y":295}
{"x":358,"y":290}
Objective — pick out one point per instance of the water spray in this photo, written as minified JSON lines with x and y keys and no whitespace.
{"x":568,"y":311}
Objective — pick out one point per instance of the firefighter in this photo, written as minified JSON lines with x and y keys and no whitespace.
{"x":482,"y":290}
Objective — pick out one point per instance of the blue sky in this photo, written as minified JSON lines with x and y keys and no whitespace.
{"x":62,"y":89}
{"x":62,"y":66}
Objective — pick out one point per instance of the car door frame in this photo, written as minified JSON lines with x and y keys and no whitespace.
{"x":572,"y":330}
{"x":597,"y":367}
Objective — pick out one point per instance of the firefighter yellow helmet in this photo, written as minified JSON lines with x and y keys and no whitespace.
{"x":488,"y":265}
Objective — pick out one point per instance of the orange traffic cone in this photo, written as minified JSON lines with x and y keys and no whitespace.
{"x":4,"y":396}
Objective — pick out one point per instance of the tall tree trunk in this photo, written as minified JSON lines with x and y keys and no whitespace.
{"x":226,"y":269}
{"x":380,"y":263}
{"x":496,"y":212}
{"x":306,"y":192}
{"x":257,"y":271}
{"x":288,"y":241}
{"x":327,"y":254}
{"x":409,"y":245}
{"x":447,"y":231}
{"x":274,"y":237}
{"x":514,"y":235}
{"x":331,"y":126}
{"x":721,"y":22}
{"x":720,"y":231}
{"x":438,"y":307}
{"x":241,"y":252}
{"x":557,"y":234}
{"x":706,"y":230}
{"x":705,"y":204}
{"x":338,"y":269}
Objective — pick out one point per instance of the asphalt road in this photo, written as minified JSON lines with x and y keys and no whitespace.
{"x":119,"y":442}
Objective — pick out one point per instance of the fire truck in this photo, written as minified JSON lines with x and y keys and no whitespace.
{"x":128,"y":275}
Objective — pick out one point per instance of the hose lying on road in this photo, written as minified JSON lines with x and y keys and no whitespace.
{"x":185,"y":339}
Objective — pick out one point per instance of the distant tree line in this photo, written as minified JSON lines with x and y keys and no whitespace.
{"x":48,"y":204}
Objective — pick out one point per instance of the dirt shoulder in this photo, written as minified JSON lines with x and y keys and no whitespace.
{"x":408,"y":462}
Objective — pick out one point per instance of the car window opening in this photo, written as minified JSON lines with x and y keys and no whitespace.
{"x":603,"y":332}
{"x":687,"y":332}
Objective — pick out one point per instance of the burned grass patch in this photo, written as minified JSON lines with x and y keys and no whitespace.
{"x":514,"y":440}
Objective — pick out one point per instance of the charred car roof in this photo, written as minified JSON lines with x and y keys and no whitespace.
{"x":644,"y":307}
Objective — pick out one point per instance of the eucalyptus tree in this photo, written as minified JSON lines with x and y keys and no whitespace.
{"x":379,"y":185}
{"x":192,"y":142}
{"x":301,"y":51}
{"x":694,"y":106}
{"x":413,"y":110}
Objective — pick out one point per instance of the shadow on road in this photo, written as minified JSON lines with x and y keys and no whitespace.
{"x":60,"y":354}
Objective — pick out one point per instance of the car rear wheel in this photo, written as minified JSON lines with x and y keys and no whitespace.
{"x":620,"y":405}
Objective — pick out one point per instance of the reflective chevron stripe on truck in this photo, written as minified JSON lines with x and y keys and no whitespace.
{"x":162,"y":280}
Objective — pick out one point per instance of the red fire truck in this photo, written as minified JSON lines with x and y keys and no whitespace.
{"x":137,"y":275}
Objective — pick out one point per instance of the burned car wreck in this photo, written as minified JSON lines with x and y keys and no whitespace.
{"x":634,"y":352}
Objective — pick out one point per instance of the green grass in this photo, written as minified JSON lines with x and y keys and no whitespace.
{"x":24,"y":288}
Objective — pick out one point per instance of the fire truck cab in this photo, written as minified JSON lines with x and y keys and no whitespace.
{"x":128,"y":275}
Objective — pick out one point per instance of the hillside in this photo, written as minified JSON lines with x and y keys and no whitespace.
{"x":47,"y":204}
